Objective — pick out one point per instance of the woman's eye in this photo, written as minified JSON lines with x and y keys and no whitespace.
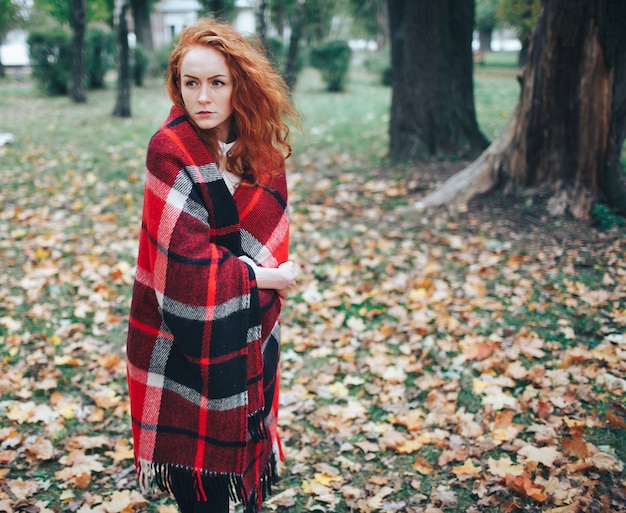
{"x":217,"y":83}
{"x":190,"y":83}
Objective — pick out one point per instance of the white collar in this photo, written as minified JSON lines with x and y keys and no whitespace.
{"x":225,"y":147}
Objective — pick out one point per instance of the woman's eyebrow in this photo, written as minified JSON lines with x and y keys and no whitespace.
{"x":214,"y":76}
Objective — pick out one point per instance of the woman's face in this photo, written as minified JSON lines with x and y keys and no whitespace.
{"x":206,"y":86}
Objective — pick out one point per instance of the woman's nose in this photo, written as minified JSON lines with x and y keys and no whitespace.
{"x":205,"y":95}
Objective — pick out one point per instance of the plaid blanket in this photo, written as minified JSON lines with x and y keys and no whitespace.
{"x":203,"y":341}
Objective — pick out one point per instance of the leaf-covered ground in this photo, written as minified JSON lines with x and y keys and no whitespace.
{"x":437,"y":361}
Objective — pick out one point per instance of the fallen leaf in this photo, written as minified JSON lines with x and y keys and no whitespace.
{"x":525,"y":487}
{"x":504,"y":466}
{"x":575,"y":445}
{"x":40,"y":450}
{"x":422,"y":466}
{"x":467,"y":469}
{"x":543,"y":455}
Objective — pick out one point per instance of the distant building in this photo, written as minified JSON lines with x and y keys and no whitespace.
{"x":14,"y":51}
{"x":170,"y":17}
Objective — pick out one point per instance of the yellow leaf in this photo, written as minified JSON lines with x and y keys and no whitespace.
{"x":467,"y":469}
{"x":123,"y":451}
{"x":338,"y":389}
{"x":409,"y":446}
{"x":570,"y":423}
{"x":504,"y":466}
{"x":325,"y":479}
{"x":41,"y":253}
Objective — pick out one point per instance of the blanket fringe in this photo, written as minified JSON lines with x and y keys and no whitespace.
{"x":188,"y":482}
{"x":256,"y":426}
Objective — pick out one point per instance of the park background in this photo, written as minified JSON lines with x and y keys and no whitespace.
{"x":456,"y":358}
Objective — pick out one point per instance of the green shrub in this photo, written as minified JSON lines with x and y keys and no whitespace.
{"x":141,"y":63}
{"x":333,"y":61}
{"x":275,"y":48}
{"x":162,"y":56}
{"x":378,"y":63}
{"x":50,"y":50}
{"x":100,"y":54}
{"x":605,"y":217}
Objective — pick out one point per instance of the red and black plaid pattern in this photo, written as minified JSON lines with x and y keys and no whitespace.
{"x":203,"y":341}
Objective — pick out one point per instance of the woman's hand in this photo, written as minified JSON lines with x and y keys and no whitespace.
{"x":288,"y":271}
{"x":282,"y":279}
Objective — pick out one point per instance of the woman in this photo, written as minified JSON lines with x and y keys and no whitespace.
{"x":212,"y":274}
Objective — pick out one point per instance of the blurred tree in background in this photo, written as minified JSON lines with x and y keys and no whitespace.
{"x":78,"y":22}
{"x":220,"y":9}
{"x":141,"y":10}
{"x":522,"y":16}
{"x":486,"y":22}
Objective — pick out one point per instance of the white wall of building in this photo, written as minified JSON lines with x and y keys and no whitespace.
{"x":170,"y":17}
{"x":14,"y":51}
{"x":245,"y":19}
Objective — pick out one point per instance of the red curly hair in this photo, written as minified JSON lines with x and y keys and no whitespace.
{"x":261,"y":101}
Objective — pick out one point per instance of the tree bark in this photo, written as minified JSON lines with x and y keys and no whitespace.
{"x":432,"y":107}
{"x":484,"y":38}
{"x":262,"y":20}
{"x":297,"y":28}
{"x":143,"y":26}
{"x":122,"y":104}
{"x":79,"y":27}
{"x":565,"y":138}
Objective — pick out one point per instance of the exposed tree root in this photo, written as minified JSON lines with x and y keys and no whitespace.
{"x":478,"y":178}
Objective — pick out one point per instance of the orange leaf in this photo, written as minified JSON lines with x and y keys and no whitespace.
{"x":525,"y":487}
{"x":503,"y":419}
{"x":576,"y":445}
{"x":544,"y":409}
{"x":479,"y":351}
{"x":422,"y":466}
{"x":615,"y":421}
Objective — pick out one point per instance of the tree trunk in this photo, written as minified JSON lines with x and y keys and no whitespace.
{"x":262,"y":20}
{"x":143,"y":26}
{"x":484,"y":38}
{"x":122,"y":104}
{"x":278,"y":15}
{"x":297,"y":28}
{"x":220,"y":9}
{"x":383,"y":21}
{"x":432,"y":107}
{"x":568,"y":129}
{"x":610,"y":182}
{"x":79,"y":26}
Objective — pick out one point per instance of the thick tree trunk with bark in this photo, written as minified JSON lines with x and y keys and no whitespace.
{"x":79,"y":26}
{"x":566,"y":135}
{"x":432,"y":108}
{"x":143,"y":26}
{"x":122,"y":103}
